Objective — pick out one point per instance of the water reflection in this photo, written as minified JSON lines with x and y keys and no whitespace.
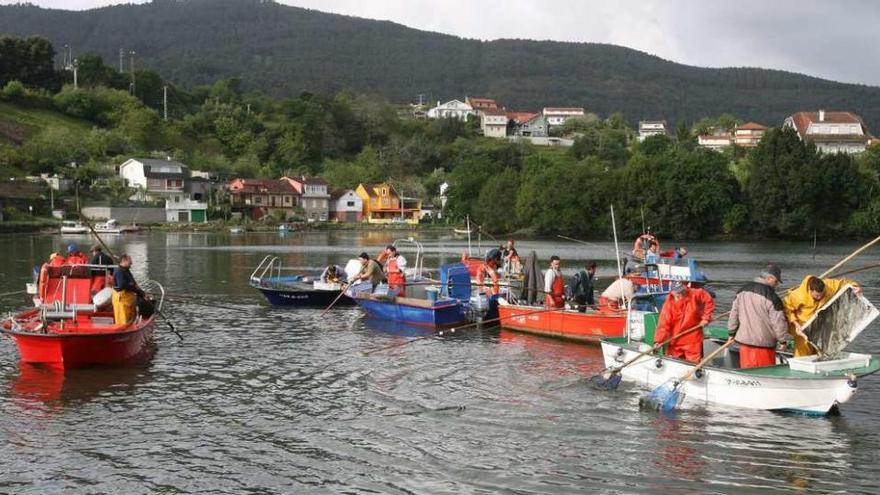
{"x":46,"y":385}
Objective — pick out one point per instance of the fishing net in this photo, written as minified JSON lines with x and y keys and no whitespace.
{"x":839,"y":322}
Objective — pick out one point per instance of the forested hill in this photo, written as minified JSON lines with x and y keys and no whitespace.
{"x":286,"y":50}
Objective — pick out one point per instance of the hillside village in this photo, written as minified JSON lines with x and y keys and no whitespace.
{"x":170,"y":192}
{"x":831,"y":132}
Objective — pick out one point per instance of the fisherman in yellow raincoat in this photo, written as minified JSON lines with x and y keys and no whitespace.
{"x":802,"y":303}
{"x":125,"y":292}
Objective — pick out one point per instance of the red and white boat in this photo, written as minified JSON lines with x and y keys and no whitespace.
{"x":563,"y":323}
{"x":67,"y":329}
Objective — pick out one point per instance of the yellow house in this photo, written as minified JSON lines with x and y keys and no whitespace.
{"x":382,"y":205}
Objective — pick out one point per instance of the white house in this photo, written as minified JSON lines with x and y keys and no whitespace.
{"x":154,"y":179}
{"x":715,"y":142}
{"x":493,"y":121}
{"x":648,"y":128}
{"x":346,"y":206}
{"x":831,"y":132}
{"x":164,"y":179}
{"x":558,"y":115}
{"x":181,"y":208}
{"x":451,"y":110}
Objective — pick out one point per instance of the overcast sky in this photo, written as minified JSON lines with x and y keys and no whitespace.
{"x":838,"y":40}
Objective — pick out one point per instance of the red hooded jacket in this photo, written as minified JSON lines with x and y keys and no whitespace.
{"x":682,"y":314}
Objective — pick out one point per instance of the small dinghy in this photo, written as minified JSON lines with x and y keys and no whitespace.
{"x":447,"y":307}
{"x":814,"y":385}
{"x":295,"y":290}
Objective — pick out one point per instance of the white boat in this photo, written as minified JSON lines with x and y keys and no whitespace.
{"x":805,"y":385}
{"x":236,"y":230}
{"x":72,"y":227}
{"x":108,"y":227}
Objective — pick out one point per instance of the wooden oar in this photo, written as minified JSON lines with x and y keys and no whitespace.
{"x":668,"y":396}
{"x":440,"y":333}
{"x":853,"y":255}
{"x":341,"y":293}
{"x":857,"y":270}
{"x":609,"y":378}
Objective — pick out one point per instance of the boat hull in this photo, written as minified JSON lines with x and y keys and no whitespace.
{"x":76,"y":350}
{"x":775,"y":388}
{"x":441,"y":315}
{"x":567,"y":324}
{"x":305,"y":298}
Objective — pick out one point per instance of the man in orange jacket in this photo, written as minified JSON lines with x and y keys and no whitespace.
{"x":684,"y":309}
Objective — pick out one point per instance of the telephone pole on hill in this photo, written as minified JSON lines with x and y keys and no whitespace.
{"x":121,"y":58}
{"x":165,"y":101}
{"x":131,"y":87}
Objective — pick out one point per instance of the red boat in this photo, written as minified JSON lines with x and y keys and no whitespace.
{"x":67,"y":330}
{"x":564,"y":323}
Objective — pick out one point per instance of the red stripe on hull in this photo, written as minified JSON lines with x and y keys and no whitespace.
{"x":567,"y":324}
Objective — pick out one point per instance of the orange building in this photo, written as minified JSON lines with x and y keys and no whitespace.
{"x":382,"y":204}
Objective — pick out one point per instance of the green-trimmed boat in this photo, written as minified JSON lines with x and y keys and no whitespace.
{"x":805,"y":385}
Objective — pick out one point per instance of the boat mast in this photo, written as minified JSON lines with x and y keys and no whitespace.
{"x":468,"y":220}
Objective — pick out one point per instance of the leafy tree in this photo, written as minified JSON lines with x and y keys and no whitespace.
{"x":495,"y":207}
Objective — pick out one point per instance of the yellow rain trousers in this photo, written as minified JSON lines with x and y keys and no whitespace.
{"x":800,"y":306}
{"x":124,"y":306}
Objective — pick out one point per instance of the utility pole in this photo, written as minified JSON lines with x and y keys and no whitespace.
{"x":75,"y":67}
{"x":121,"y":57}
{"x":131,"y":86}
{"x":165,"y":101}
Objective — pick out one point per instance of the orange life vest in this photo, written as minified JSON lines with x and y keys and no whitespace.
{"x":396,"y":278}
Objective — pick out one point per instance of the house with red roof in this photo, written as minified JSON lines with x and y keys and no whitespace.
{"x":493,"y":122}
{"x":480,"y":104}
{"x":748,"y":135}
{"x":314,"y":197}
{"x":831,"y":132}
{"x":255,"y":198}
{"x":346,"y":206}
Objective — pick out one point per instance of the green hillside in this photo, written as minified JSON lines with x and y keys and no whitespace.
{"x":18,"y":124}
{"x":285,"y":51}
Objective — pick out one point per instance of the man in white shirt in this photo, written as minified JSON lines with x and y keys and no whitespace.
{"x":618,"y":295}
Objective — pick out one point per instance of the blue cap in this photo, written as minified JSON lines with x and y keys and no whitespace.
{"x":72,"y":248}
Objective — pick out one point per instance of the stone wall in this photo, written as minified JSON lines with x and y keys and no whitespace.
{"x":125,"y":215}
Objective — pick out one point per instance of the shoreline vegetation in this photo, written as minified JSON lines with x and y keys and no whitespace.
{"x":782,"y":189}
{"x":50,"y":226}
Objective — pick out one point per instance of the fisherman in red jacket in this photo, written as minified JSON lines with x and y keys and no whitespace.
{"x":554,"y":285}
{"x":489,"y":268}
{"x":683,"y":310}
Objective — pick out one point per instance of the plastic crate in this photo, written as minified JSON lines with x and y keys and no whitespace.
{"x":846,"y":361}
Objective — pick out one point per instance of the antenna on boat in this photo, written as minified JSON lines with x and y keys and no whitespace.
{"x":617,"y":257}
{"x":642,"y":208}
{"x":468,"y":220}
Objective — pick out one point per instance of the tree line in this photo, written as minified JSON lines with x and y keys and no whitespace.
{"x":782,"y":188}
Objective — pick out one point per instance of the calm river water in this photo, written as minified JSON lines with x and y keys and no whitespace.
{"x":266,"y":400}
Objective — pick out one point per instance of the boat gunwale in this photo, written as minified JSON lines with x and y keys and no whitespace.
{"x":139,"y":327}
{"x":873,"y":367}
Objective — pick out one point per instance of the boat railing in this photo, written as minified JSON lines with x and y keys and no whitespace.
{"x":268,"y":268}
{"x":156,"y":291}
{"x":416,"y":270}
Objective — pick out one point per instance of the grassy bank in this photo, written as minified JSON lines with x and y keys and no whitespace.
{"x":35,"y":225}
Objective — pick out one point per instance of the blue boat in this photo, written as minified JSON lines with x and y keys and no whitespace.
{"x":294,"y":290}
{"x":447,"y":307}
